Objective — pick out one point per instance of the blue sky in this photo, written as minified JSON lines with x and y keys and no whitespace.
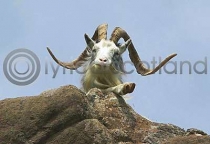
{"x":157,"y":29}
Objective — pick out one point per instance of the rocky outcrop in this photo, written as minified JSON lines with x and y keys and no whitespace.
{"x":66,"y":115}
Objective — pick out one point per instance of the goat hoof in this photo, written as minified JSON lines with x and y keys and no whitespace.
{"x":128,"y":88}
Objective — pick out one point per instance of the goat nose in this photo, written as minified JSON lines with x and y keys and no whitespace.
{"x":103,"y":59}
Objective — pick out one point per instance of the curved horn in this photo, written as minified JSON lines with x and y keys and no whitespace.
{"x":75,"y":63}
{"x":139,"y":65}
{"x":100,"y":33}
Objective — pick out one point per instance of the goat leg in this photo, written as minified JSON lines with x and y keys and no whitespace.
{"x":122,"y":89}
{"x":100,"y":85}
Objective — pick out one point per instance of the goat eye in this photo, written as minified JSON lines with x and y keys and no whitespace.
{"x":97,"y":41}
{"x":94,"y":50}
{"x":116,"y":54}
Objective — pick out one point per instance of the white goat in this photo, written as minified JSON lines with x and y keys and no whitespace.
{"x":103,"y":64}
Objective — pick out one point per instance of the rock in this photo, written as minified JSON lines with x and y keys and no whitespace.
{"x":162,"y":133}
{"x":193,"y":131}
{"x":66,"y":115}
{"x":189,"y":140}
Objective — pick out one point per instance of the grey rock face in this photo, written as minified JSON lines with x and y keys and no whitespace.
{"x":66,"y":116}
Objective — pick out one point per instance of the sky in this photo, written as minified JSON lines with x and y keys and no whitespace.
{"x":178,"y":94}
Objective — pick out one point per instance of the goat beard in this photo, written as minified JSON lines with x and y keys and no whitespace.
{"x":100,"y":69}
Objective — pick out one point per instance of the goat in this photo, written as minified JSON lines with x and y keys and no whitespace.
{"x":103,"y":64}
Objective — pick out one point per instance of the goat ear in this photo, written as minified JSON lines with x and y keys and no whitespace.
{"x":124,"y":46}
{"x":89,"y":41}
